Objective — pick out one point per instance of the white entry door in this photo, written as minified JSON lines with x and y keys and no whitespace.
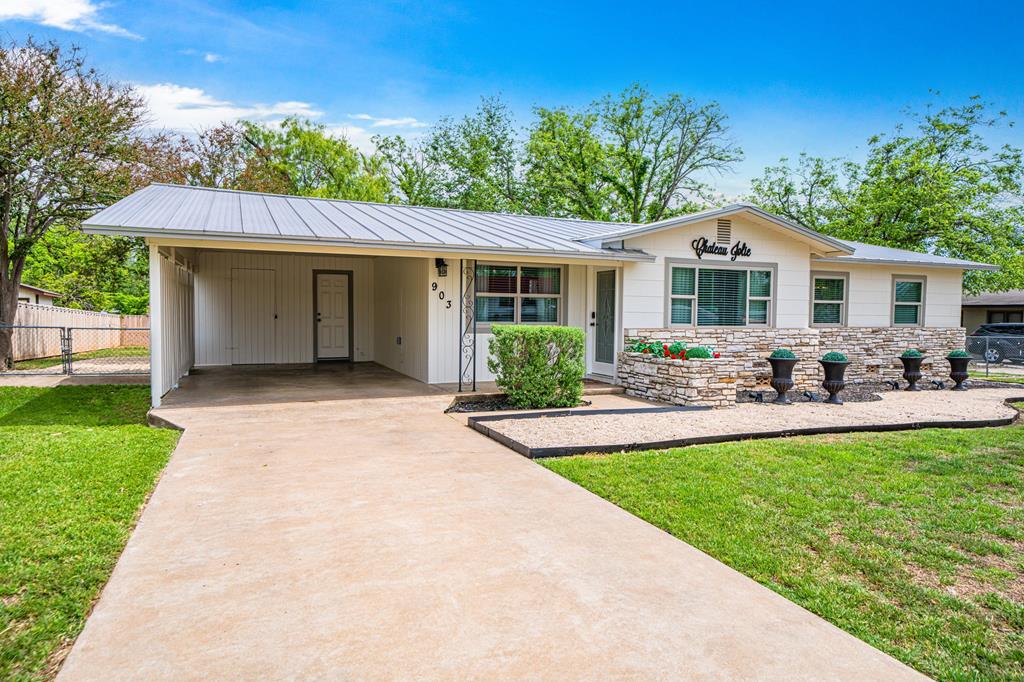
{"x":333,"y":318}
{"x":253,"y":315}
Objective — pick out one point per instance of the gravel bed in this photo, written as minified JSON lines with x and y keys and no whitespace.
{"x":893,"y":407}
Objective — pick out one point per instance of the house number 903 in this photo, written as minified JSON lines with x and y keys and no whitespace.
{"x":440,"y":295}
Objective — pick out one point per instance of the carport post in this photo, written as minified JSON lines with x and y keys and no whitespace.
{"x":155,"y":327}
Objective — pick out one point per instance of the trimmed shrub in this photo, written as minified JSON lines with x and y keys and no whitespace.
{"x":698,"y":352}
{"x":912,"y":353}
{"x":834,"y":356}
{"x":959,"y":354}
{"x":538,"y":366}
{"x":783,"y":354}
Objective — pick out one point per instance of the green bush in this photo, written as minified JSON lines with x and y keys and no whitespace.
{"x":538,"y":366}
{"x":834,"y":356}
{"x":912,"y":353}
{"x":783,"y":354}
{"x":959,"y":354}
{"x":698,"y":352}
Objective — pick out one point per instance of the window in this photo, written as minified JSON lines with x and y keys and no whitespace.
{"x":719,"y":297}
{"x":514,"y":294}
{"x":828,"y":302}
{"x":1002,"y":316}
{"x":908,"y":301}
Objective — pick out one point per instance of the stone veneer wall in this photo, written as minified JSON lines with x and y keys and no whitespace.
{"x":873,"y":351}
{"x":705,"y":383}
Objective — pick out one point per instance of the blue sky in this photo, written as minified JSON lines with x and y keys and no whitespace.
{"x":816,"y":77}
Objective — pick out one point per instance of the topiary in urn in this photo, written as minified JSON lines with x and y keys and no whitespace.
{"x":834,"y":365}
{"x":782,"y":362}
{"x":912,"y":360}
{"x":958,"y":362}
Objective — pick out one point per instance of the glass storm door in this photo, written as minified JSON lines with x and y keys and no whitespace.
{"x":604,"y":323}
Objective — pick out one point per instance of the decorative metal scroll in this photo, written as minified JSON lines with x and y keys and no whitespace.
{"x":467,"y":333}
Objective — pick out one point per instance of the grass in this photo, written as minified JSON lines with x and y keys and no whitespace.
{"x":76,"y":464}
{"x":119,"y":352}
{"x":997,"y":376}
{"x":913,"y":541}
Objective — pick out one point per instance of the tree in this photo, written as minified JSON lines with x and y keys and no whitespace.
{"x":313,"y":163}
{"x":413,"y":177}
{"x":477,"y":160}
{"x":937,"y":187}
{"x":632,"y":157}
{"x":66,"y":137}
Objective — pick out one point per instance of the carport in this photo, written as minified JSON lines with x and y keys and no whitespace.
{"x":242,"y":279}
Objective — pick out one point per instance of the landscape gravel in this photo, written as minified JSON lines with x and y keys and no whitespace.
{"x":894,"y":407}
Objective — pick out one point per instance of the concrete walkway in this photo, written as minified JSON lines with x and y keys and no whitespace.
{"x":376,"y":538}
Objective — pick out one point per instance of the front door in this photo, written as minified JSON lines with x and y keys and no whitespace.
{"x":333,"y":319}
{"x":604,"y":323}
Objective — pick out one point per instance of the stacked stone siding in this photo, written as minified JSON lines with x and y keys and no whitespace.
{"x":703,"y":383}
{"x":873,"y":351}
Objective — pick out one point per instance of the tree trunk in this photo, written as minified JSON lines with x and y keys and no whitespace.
{"x":8,"y":309}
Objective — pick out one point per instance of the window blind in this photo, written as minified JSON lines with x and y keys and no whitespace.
{"x":722,"y":298}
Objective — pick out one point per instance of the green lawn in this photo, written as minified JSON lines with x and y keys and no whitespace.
{"x":119,"y":352}
{"x":996,"y":376}
{"x":912,"y":541}
{"x":76,"y":465}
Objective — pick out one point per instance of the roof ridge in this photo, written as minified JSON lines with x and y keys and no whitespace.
{"x":578,"y":221}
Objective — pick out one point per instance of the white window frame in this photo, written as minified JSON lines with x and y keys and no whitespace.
{"x":518,"y":296}
{"x":843,"y":304}
{"x":921,"y":305}
{"x":697,"y":266}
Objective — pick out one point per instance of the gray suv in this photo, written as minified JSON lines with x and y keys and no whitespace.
{"x":997,"y":342}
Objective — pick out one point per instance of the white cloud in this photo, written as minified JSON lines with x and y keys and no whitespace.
{"x":69,"y":15}
{"x":212,"y":57}
{"x":377,"y":122}
{"x":185,"y":109}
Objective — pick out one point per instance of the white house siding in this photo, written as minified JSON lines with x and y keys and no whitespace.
{"x":400,"y":311}
{"x":172,"y":350}
{"x":870,"y":294}
{"x":293,"y":284}
{"x":643,"y":299}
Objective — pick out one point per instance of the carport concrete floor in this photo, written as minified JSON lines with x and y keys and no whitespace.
{"x":377,"y":538}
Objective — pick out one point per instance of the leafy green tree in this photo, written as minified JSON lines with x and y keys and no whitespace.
{"x":936,"y":187}
{"x":413,"y":176}
{"x":67,"y":142}
{"x":93,"y":272}
{"x":630,"y":157}
{"x":316,"y":164}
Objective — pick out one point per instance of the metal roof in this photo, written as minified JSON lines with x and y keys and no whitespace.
{"x":200,"y":212}
{"x":47,"y":292}
{"x":884,"y":255}
{"x":162,"y":210}
{"x":1012,"y":297}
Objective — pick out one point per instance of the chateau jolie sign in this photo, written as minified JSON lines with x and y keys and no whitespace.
{"x":702,"y":246}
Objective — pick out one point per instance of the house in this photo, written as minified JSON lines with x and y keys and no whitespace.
{"x":240,"y":278}
{"x":36,"y":296}
{"x":1005,"y":306}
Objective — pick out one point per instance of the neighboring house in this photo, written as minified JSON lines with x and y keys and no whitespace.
{"x":36,"y":296}
{"x":244,"y":278}
{"x":1006,"y":306}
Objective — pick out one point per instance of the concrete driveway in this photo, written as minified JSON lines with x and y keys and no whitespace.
{"x":376,"y":538}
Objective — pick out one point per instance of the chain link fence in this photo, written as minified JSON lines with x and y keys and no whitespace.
{"x":997,"y":354}
{"x":79,"y":350}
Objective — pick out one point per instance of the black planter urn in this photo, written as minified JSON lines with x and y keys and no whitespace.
{"x":912,"y":372}
{"x":835,"y":373}
{"x":958,"y":372}
{"x":782,"y":378}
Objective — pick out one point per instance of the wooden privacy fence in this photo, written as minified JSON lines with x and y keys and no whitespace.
{"x":105,"y":330}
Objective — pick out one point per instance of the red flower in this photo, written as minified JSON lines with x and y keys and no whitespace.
{"x":718,"y":355}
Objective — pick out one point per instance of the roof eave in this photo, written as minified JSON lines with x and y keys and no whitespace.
{"x":834,"y":245}
{"x":910,"y":263}
{"x":229,"y":237}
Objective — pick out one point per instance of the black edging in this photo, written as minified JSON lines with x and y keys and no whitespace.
{"x":537,"y":453}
